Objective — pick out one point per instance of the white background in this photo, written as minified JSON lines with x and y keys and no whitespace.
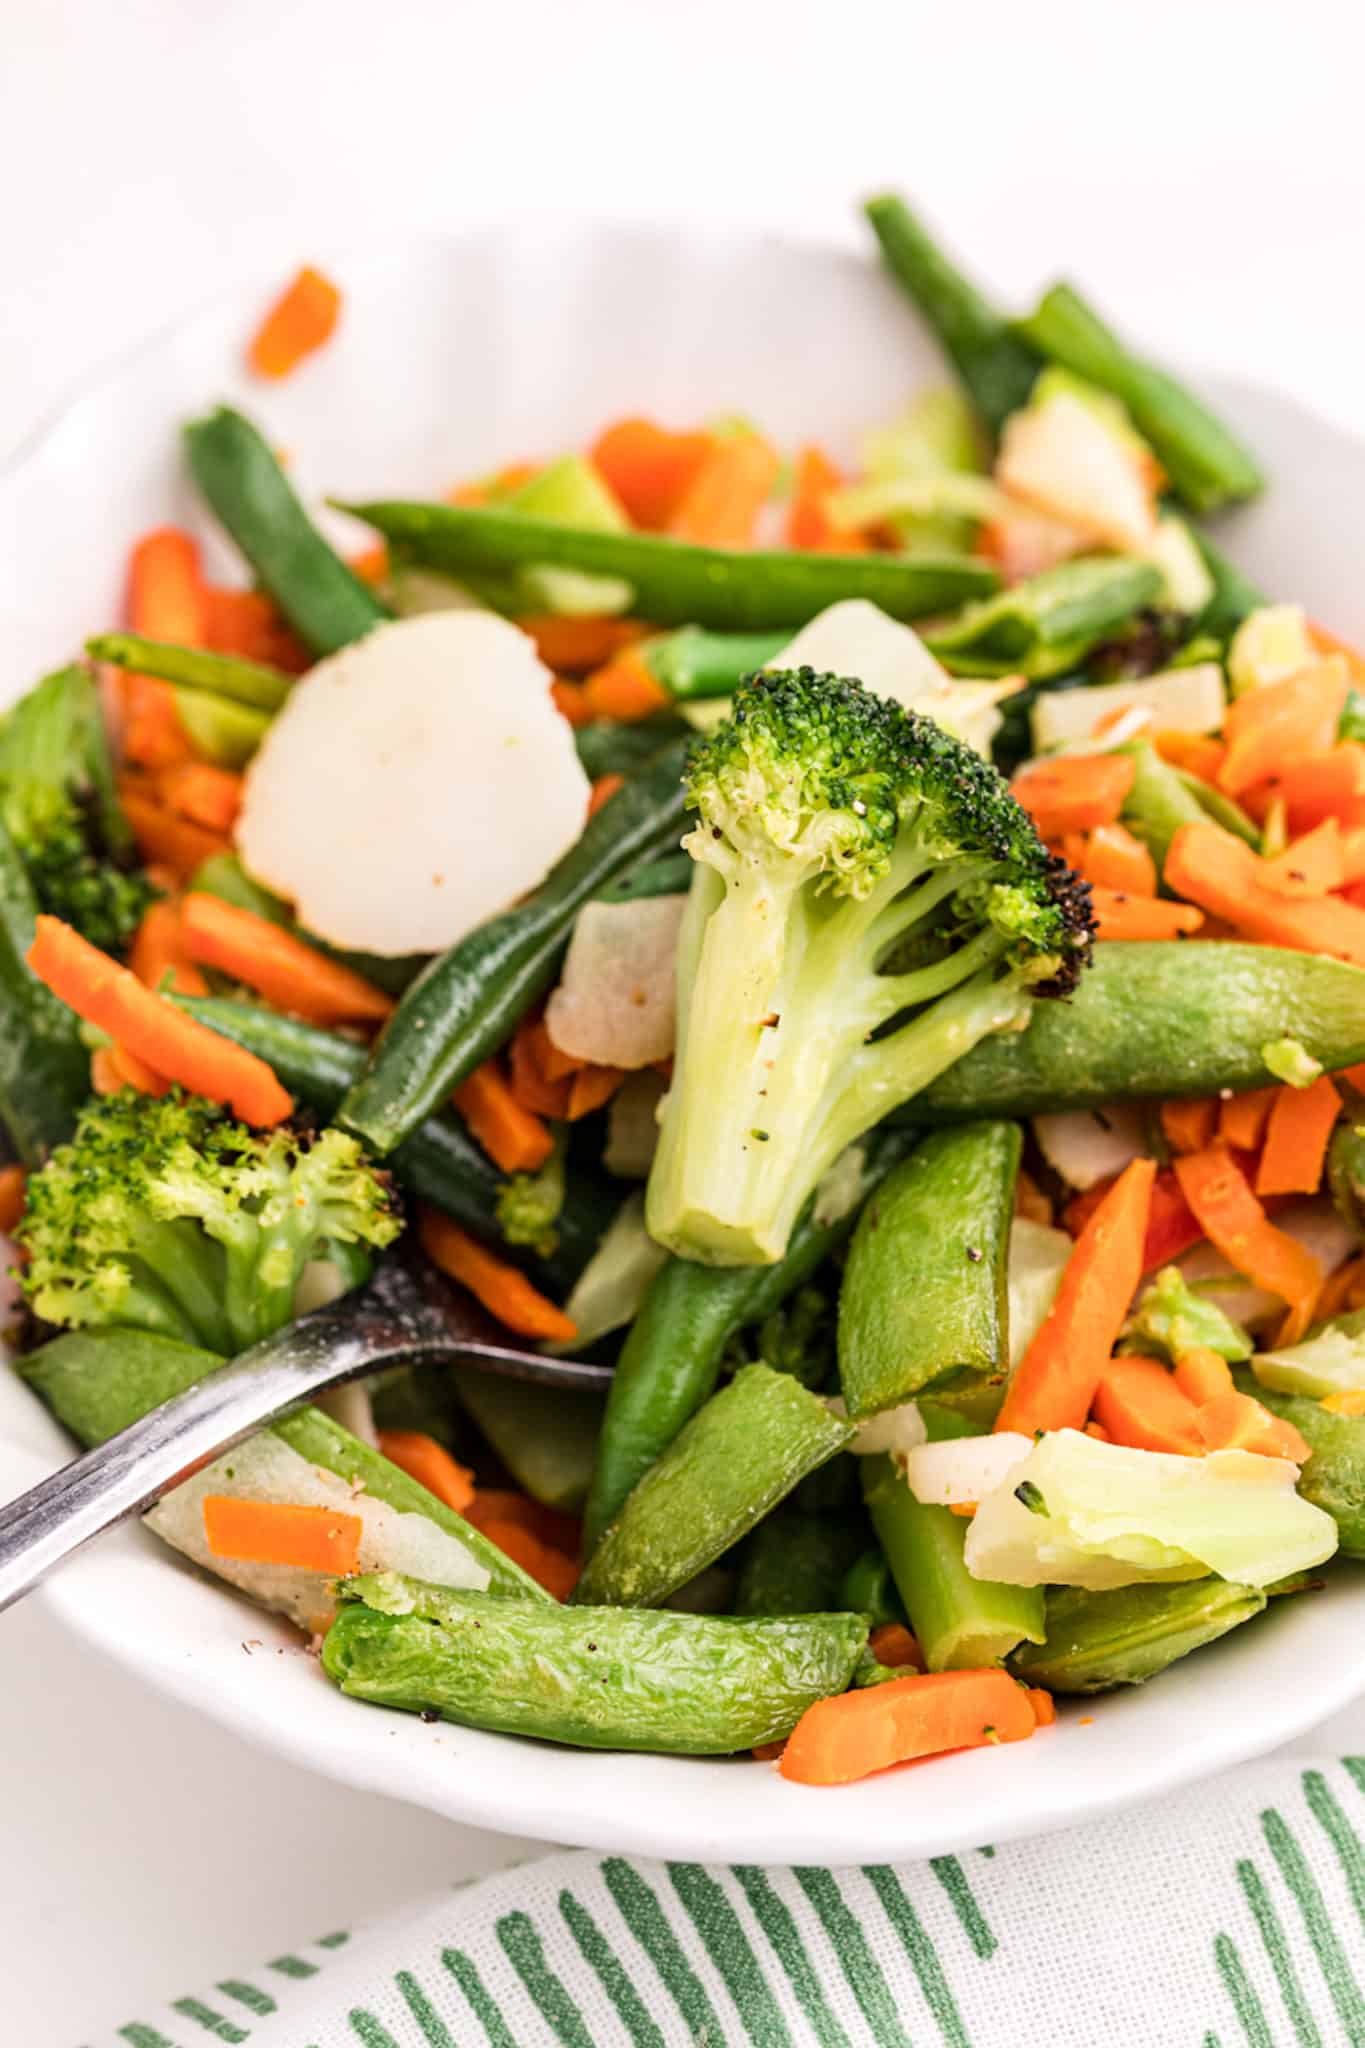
{"x":1196,"y":163}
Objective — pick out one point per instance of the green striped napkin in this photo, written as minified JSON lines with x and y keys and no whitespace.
{"x":1228,"y":1917}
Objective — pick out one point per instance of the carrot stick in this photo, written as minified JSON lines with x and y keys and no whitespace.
{"x":1238,"y":1226}
{"x":1189,"y":1122}
{"x":302,"y":318}
{"x":165,"y":602}
{"x":650,"y":468}
{"x":721,"y":505}
{"x":1043,"y":1705}
{"x":1113,"y":859}
{"x":1338,"y":1289}
{"x":371,"y":565}
{"x":540,"y":1081}
{"x":602,"y":792}
{"x":158,"y":954}
{"x":1222,"y":875}
{"x":1202,"y":1375}
{"x":501,"y":1504}
{"x":1309,"y":866}
{"x":1301,"y":1121}
{"x":430,"y":1464}
{"x":1172,"y":1227}
{"x":1119,"y":916}
{"x":590,"y":1088}
{"x":808,"y":523}
{"x":13,"y":1191}
{"x":312,"y":1539}
{"x":1140,"y":1405}
{"x":135,"y":1073}
{"x":283,"y":968}
{"x":250,"y":624}
{"x":571,"y":701}
{"x":1198,"y":753}
{"x":1326,"y":785}
{"x":1074,"y":793}
{"x":172,"y":842}
{"x":1058,"y":1374}
{"x":105,"y":1077}
{"x":504,"y":1292}
{"x":206,"y":795}
{"x":549,"y":1567}
{"x":848,"y":1737}
{"x":626,"y":689}
{"x":577,"y":645}
{"x":1280,"y":721}
{"x":181,"y":1048}
{"x":893,"y":1645}
{"x":514,"y":1138}
{"x":1239,"y":1422}
{"x":1242,"y":1118}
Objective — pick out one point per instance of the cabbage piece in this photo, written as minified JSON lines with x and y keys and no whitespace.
{"x":617,"y":1000}
{"x":1037,"y":1260}
{"x":1270,"y":644}
{"x":1073,"y":453}
{"x":1175,"y":700}
{"x":895,"y":1430}
{"x":1174,"y":550}
{"x":966,"y":1468}
{"x":1078,"y":1512}
{"x":612,"y":1286}
{"x":1330,"y":1362}
{"x":1088,"y":1145}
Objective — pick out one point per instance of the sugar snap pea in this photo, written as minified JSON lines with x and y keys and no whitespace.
{"x":234,"y":467}
{"x":924,"y":1294}
{"x":221,"y":675}
{"x":1159,"y":1018}
{"x":735,"y":1460}
{"x":1334,"y":1477}
{"x":676,"y":583}
{"x":598,"y":1678}
{"x":867,"y":1587}
{"x":1096,"y":1641}
{"x":470,"y":1000}
{"x":1049,"y":623}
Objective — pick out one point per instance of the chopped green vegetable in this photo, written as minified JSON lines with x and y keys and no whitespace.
{"x":1271,"y":644}
{"x":1170,"y":1318}
{"x":1096,"y":1641}
{"x":936,"y":437}
{"x":1048,"y":624}
{"x":220,"y":675}
{"x":1289,"y":1061}
{"x":529,"y":1204}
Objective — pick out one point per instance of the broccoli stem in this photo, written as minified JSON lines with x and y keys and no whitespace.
{"x":189,"y":1268}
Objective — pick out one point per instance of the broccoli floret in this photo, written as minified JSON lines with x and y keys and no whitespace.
{"x":528,"y":1204}
{"x":170,"y":1216}
{"x":59,"y":805}
{"x":868,"y":901}
{"x":1171,"y":1318}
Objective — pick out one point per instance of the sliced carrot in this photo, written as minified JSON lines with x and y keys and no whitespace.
{"x":1238,"y":1226}
{"x":250,"y":624}
{"x":1043,"y":1705}
{"x":602,"y":792}
{"x":893,"y":1645}
{"x":1277,"y":723}
{"x":302,"y":318}
{"x":1112,"y":858}
{"x":1353,"y":855}
{"x":552,"y":1062}
{"x":371,"y":565}
{"x":1338,"y":1289}
{"x":850,"y":1736}
{"x":282,"y":967}
{"x":1098,"y":1431}
{"x":549,"y":1567}
{"x":13,"y":1192}
{"x":1310,"y":866}
{"x":1055,"y":1383}
{"x":1351,"y":1401}
{"x":172,"y":842}
{"x":165,"y":602}
{"x":1326,"y":785}
{"x":1301,"y":1121}
{"x":720,"y":507}
{"x":1075,"y":792}
{"x":1198,"y":753}
{"x":1118,"y":916}
{"x":105,"y":1077}
{"x":1189,"y":1122}
{"x":1239,"y":1422}
{"x":1202,"y":1375}
{"x":577,"y":645}
{"x":1219,"y":872}
{"x":650,"y":468}
{"x":534,"y":1060}
{"x":311,"y":1539}
{"x":501,"y":1504}
{"x":1242,"y":1118}
{"x":590,"y":1088}
{"x":430,"y":1464}
{"x":135,"y":1073}
{"x":181,"y":1048}
{"x":158,"y":954}
{"x":513,"y":1137}
{"x":1141,"y":1406}
{"x":207,"y":795}
{"x":571,"y":701}
{"x":768,"y":1752}
{"x":808,"y":525}
{"x":1172,"y":1227}
{"x":626,"y":689}
{"x":504,"y":1292}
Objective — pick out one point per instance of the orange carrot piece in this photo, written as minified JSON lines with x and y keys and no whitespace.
{"x":1058,"y":1374}
{"x":1340,"y":1289}
{"x":135,"y":1073}
{"x":552,"y":1062}
{"x":165,"y":602}
{"x":1301,"y":1121}
{"x":1098,"y":1431}
{"x":1351,"y":1401}
{"x":549,"y":1567}
{"x":721,"y":505}
{"x":1141,"y":1406}
{"x":312,"y":1539}
{"x":1189,"y":1122}
{"x":1075,"y":792}
{"x":207,"y":795}
{"x":808,"y":524}
{"x":1353,"y":855}
{"x":1221,"y":874}
{"x":13,"y":1191}
{"x":105,"y":1077}
{"x":650,"y":468}
{"x":1198,"y":753}
{"x":430,"y":1464}
{"x":850,"y":1736}
{"x":371,"y":565}
{"x":1326,"y":785}
{"x":1029,"y":1199}
{"x":181,"y":1048}
{"x":768,"y":1752}
{"x":283,"y":968}
{"x":1309,"y":866}
{"x":577,"y":645}
{"x":893,"y":1645}
{"x":302,"y":318}
{"x":1172,"y":1227}
{"x":1236,"y":1224}
{"x":1203,"y":1375}
{"x":590,"y":1088}
{"x":1280,"y":721}
{"x":602,"y":792}
{"x":626,"y":689}
{"x":571,"y":701}
{"x":1119,"y":916}
{"x":158,"y":955}
{"x":514,"y":1138}
{"x":162,"y":837}
{"x":1113,"y":859}
{"x":501,"y":1504}
{"x":534,"y":1061}
{"x":504,"y":1292}
{"x":1043,"y":1705}
{"x":250,"y":624}
{"x":1239,"y":1422}
{"x":1242,"y":1118}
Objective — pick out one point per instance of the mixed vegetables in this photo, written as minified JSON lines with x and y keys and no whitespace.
{"x":926,"y":1058}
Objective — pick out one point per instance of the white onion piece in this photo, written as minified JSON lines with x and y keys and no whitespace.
{"x":964,"y":1469}
{"x":1313,"y":1223}
{"x":1177,"y":700}
{"x":617,"y":1000}
{"x":1087,"y":1145}
{"x":1063,"y":457}
{"x":895,"y":1430}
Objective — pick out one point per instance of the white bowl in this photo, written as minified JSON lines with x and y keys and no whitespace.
{"x":456,"y":356}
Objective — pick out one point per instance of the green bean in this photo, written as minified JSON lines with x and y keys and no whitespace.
{"x":44,"y":1067}
{"x":1334,"y":1477}
{"x":470,"y":1000}
{"x":795,"y":1563}
{"x":598,"y":1678}
{"x":997,"y":369}
{"x":675,"y":582}
{"x":611,"y":746}
{"x":1096,"y":1641}
{"x":924,"y":1293}
{"x":1154,"y":1019}
{"x":736,"y":1459}
{"x":545,"y":1436}
{"x":1047,"y":624}
{"x":324,"y":601}
{"x":1207,"y":465}
{"x":959,"y":1622}
{"x":222,"y":675}
{"x":695,"y":663}
{"x":671,"y":876}
{"x":867,"y":1587}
